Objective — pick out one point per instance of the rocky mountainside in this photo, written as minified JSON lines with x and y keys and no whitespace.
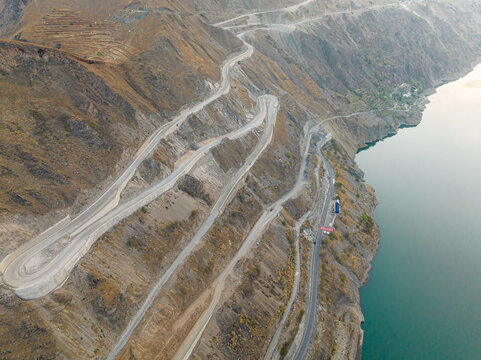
{"x":217,"y":265}
{"x":10,"y":13}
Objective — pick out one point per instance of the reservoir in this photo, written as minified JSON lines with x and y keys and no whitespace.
{"x":423,"y":298}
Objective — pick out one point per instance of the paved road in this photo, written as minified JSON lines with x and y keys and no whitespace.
{"x":291,"y":26}
{"x":314,"y":275}
{"x":292,"y":8}
{"x":295,"y":287}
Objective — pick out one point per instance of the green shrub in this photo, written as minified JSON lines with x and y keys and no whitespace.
{"x":284,"y":349}
{"x":300,"y":315}
{"x":367,"y":223}
{"x":247,"y":292}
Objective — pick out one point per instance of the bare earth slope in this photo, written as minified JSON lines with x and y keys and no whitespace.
{"x":62,"y":128}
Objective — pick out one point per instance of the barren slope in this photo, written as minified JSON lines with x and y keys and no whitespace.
{"x":72,"y":118}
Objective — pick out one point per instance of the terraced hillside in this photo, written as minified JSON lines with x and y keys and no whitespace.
{"x":68,"y":30}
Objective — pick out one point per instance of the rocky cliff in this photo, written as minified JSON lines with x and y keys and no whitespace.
{"x":85,"y":84}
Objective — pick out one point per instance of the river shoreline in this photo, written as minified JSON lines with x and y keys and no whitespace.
{"x":418,"y":110}
{"x":426,"y":94}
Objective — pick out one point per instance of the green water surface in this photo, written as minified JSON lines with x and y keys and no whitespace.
{"x":423,"y":299}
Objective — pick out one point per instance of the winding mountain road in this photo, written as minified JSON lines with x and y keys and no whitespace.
{"x":43,"y":279}
{"x":291,"y":26}
{"x":295,"y":287}
{"x":256,"y":232}
{"x":37,"y":267}
{"x":292,"y":8}
{"x":229,"y":190}
{"x":44,"y":263}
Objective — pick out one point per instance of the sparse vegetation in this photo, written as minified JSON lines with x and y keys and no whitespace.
{"x":241,"y":197}
{"x":64,"y":120}
{"x":40,"y":122}
{"x":92,"y":280}
{"x":300,"y":315}
{"x":284,"y":349}
{"x":132,"y":241}
{"x":335,"y":146}
{"x":367,"y":223}
{"x":172,"y":226}
{"x":247,"y":292}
